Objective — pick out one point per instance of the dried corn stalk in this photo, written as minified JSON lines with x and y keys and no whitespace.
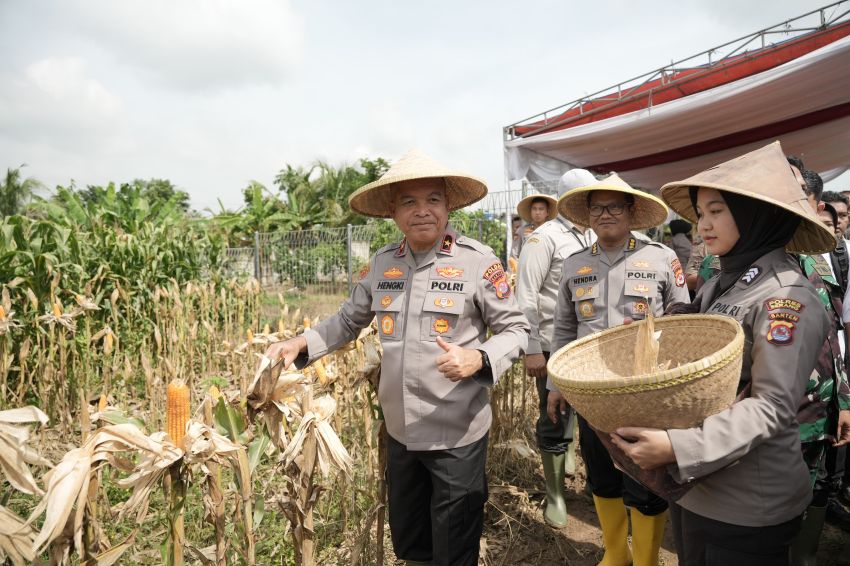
{"x":646,"y":346}
{"x":15,"y":454}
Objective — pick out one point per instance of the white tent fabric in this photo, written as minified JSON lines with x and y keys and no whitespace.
{"x":816,"y":81}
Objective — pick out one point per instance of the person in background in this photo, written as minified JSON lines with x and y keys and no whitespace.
{"x":449,"y":326}
{"x":617,"y":279}
{"x":841,"y":204}
{"x":829,"y":216}
{"x":681,"y":239}
{"x":754,"y":485}
{"x":537,"y":294}
{"x":516,"y":236}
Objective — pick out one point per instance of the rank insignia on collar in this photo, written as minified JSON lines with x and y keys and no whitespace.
{"x":441,"y":326}
{"x":584,"y":270}
{"x":594,"y":249}
{"x":448,"y":242}
{"x":780,"y":332}
{"x":751,"y":275}
{"x":387,"y":324}
{"x":393,"y":273}
{"x":386,"y":300}
{"x":449,"y":272}
{"x":632,"y":244}
{"x":401,"y":248}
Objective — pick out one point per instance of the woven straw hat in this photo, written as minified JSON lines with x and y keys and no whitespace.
{"x":524,"y":206}
{"x":649,"y":211}
{"x":763,"y":174}
{"x":375,"y":198}
{"x":596,"y":373}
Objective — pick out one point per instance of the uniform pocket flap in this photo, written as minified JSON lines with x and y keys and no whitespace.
{"x":450,"y":303}
{"x":386,"y":301}
{"x":640,"y":288}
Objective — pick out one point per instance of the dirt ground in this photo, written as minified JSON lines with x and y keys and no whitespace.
{"x":516,"y":534}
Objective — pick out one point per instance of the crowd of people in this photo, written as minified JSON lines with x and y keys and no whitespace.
{"x":758,"y":479}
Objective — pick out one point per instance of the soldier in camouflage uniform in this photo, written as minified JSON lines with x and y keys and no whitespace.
{"x":827,"y":394}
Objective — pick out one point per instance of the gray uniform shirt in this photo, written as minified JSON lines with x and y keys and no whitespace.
{"x":749,"y":455}
{"x":458,"y":291}
{"x":540,"y":263}
{"x":597,"y":293}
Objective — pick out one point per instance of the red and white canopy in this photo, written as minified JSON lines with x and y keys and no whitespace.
{"x":797,"y":92}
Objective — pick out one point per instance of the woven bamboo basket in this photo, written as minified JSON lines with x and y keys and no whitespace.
{"x":704,"y":351}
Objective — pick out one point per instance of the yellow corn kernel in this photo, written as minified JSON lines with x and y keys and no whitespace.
{"x":250,"y":336}
{"x":108,"y":342}
{"x":321,"y":373}
{"x":101,"y":403}
{"x":306,"y":322}
{"x":2,"y":312}
{"x":57,"y":309}
{"x":215,"y":393}
{"x":177,"y":414}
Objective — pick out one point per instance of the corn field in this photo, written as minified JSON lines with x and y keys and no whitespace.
{"x":142,"y":425}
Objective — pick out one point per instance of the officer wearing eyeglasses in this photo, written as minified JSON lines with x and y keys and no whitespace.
{"x":619,"y":277}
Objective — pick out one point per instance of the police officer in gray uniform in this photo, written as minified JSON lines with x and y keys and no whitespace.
{"x":616,"y":280}
{"x":435,"y":296}
{"x":537,"y":294}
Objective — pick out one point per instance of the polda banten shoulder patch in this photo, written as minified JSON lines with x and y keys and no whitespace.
{"x":495,"y":274}
{"x":781,"y":332}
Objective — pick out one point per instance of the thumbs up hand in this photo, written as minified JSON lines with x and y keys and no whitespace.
{"x":457,"y":363}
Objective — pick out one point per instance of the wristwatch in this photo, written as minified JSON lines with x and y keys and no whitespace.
{"x":485,"y":362}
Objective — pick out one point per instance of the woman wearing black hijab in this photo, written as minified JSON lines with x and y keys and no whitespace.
{"x":753,"y":484}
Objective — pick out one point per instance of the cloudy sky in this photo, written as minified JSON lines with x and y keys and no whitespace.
{"x":212,"y":94}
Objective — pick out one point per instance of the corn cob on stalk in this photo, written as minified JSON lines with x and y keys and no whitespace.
{"x":178,"y":410}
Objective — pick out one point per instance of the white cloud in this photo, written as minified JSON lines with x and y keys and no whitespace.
{"x":55,"y":99}
{"x":196,"y":45}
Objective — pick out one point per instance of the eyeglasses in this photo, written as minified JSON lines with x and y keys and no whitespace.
{"x":613,"y":209}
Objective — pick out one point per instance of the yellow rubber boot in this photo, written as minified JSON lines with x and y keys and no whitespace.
{"x":647,"y":532}
{"x":615,"y":530}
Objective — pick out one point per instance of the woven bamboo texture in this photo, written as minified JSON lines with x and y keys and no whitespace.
{"x":704,"y":354}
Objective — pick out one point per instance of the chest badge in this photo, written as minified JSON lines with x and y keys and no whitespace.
{"x":584,"y":270}
{"x":441,"y":326}
{"x":449,"y":272}
{"x":585,"y":309}
{"x":444,"y":302}
{"x":580,"y":292}
{"x":640,"y":307}
{"x":387,"y":324}
{"x":641,"y":289}
{"x":393,"y":273}
{"x":641,"y":264}
{"x":386,"y":300}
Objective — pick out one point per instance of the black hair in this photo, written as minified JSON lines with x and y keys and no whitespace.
{"x":832,"y":196}
{"x":814,"y":183}
{"x":679,"y":226}
{"x":541,"y":199}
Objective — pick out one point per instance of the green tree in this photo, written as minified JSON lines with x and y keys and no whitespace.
{"x":15,"y":192}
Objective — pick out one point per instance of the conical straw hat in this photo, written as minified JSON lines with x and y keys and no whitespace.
{"x":375,"y":198}
{"x":763,"y":174}
{"x":524,"y":206}
{"x":649,"y":211}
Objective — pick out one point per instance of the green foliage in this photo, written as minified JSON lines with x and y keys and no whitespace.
{"x":492,"y":232}
{"x":15,"y":192}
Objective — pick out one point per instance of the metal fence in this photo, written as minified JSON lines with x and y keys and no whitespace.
{"x":324,"y":261}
